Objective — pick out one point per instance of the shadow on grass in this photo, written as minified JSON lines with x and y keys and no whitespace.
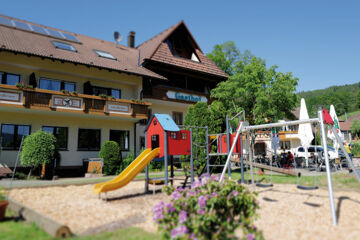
{"x":13,"y":218}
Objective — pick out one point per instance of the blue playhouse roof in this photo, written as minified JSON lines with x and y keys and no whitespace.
{"x":166,"y":122}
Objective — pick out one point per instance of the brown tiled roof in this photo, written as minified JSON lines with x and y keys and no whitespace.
{"x":345,"y":126}
{"x":27,"y":42}
{"x":157,"y":50}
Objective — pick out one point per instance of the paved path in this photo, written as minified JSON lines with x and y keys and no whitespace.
{"x":5,"y":183}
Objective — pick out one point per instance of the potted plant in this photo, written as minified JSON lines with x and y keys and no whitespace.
{"x":20,"y":84}
{"x":3,"y":205}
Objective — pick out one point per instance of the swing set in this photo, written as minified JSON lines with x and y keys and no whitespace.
{"x":324,"y":119}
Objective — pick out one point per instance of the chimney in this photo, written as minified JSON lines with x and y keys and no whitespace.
{"x":131,"y":39}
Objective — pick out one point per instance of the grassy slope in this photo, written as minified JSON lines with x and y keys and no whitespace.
{"x":344,"y":98}
{"x":350,"y":114}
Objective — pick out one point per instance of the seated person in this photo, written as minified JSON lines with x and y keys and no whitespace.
{"x":290,"y":158}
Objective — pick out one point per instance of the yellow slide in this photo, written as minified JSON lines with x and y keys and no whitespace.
{"x":129,"y":173}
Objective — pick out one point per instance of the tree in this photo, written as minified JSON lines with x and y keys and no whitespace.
{"x":38,"y":149}
{"x":227,"y":55}
{"x":110,"y":152}
{"x":202,"y":115}
{"x":355,"y":127}
{"x":262,"y":92}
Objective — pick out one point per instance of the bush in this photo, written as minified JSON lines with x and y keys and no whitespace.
{"x":208,"y":210}
{"x":38,"y":149}
{"x":2,"y":195}
{"x":110,"y":152}
{"x":355,"y":149}
{"x":126,"y":161}
{"x":156,"y":165}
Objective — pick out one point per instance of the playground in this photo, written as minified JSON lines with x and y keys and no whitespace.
{"x":286,"y":212}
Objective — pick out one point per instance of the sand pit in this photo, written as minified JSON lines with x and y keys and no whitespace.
{"x":286,"y":212}
{"x":289,"y":213}
{"x":82,"y":211}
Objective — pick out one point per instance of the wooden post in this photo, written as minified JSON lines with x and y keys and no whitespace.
{"x":49,"y":225}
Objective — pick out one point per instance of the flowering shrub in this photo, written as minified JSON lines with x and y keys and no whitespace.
{"x":208,"y":210}
{"x":20,"y":84}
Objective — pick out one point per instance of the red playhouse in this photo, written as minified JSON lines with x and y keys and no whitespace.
{"x":223,"y":144}
{"x":162,"y":132}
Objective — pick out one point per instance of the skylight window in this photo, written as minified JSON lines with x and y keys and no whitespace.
{"x":104,"y":54}
{"x":70,"y":37}
{"x":39,"y":29}
{"x":6,"y":21}
{"x":22,"y":25}
{"x":64,"y":46}
{"x":54,"y":33}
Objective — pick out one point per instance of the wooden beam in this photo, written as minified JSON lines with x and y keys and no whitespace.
{"x":290,"y":172}
{"x":49,"y":225}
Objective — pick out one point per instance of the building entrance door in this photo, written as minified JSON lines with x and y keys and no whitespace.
{"x":154,"y":141}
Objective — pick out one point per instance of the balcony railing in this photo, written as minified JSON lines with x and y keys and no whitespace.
{"x":13,"y":96}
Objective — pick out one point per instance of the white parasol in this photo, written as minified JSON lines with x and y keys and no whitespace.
{"x":305,"y":132}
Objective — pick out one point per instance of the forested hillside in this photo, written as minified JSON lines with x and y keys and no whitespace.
{"x":345,"y":98}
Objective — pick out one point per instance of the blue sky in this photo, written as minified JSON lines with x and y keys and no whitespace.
{"x":318,"y":41}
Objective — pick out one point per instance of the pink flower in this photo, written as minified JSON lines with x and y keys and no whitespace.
{"x":182,"y":216}
{"x":190,"y":193}
{"x":250,"y":236}
{"x":214,"y":194}
{"x":214,"y":177}
{"x":175,"y":195}
{"x":158,"y":211}
{"x":202,"y":201}
{"x":201,"y":211}
{"x":229,"y":197}
{"x":170,"y":207}
{"x":196,"y":184}
{"x":179,"y":231}
{"x":204,"y":179}
{"x":235,"y":193}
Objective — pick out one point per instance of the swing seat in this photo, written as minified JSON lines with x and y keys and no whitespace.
{"x":264,"y":185}
{"x":307,"y":187}
{"x":302,"y":187}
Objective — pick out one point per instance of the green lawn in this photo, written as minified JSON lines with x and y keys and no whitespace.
{"x":341,"y":181}
{"x":11,"y":229}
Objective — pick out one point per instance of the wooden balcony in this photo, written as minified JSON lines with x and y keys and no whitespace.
{"x":12,"y":96}
{"x":175,"y":94}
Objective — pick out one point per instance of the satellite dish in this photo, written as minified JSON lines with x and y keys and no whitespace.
{"x":117,"y":37}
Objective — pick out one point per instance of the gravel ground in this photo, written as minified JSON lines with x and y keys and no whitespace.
{"x":81,"y":210}
{"x":286,"y":212}
{"x":289,"y":213}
